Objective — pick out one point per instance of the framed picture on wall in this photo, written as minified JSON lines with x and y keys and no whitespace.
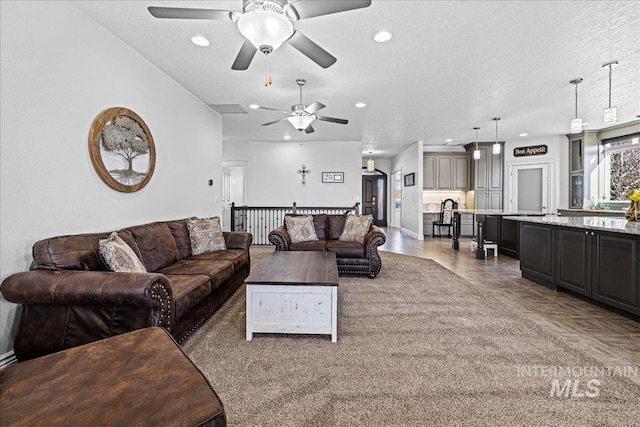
{"x":409,"y":179}
{"x":333,"y":177}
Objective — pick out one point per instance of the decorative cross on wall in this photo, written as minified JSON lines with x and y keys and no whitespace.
{"x":304,"y":172}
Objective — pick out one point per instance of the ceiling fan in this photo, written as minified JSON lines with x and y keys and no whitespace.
{"x":266,"y":24}
{"x":301,"y":116}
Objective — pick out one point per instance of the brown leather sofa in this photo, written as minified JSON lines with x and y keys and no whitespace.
{"x":70,"y":297}
{"x":351,"y":257}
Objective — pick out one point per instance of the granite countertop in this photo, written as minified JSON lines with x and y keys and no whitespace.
{"x":618,"y":225}
{"x":500,"y":212}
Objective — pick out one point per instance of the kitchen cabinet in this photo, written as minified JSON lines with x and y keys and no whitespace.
{"x":428,"y":219}
{"x":583,"y":159}
{"x":446,"y":171}
{"x":487,"y":173}
{"x":600,"y":265}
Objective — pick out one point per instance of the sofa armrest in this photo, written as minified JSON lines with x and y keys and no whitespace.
{"x":238,"y":240}
{"x":280,"y":238}
{"x":95,"y":288}
{"x":375,"y":237}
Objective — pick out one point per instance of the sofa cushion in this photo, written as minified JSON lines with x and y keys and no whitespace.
{"x":346,"y":249}
{"x":313,"y":245}
{"x":157,"y":246}
{"x":78,"y":252}
{"x":206,"y":235}
{"x":217,"y":271}
{"x":180,"y":233}
{"x":335,"y":225}
{"x":188,"y":290}
{"x":319,"y":223}
{"x":130,"y":240}
{"x":300,"y":228}
{"x":356,"y":228}
{"x":239,"y":257}
{"x":119,"y":256}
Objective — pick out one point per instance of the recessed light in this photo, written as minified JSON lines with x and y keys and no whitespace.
{"x":287,"y":137}
{"x":361,"y":105}
{"x":448,"y":140}
{"x":524,"y":134}
{"x":254,"y":106}
{"x":200,"y":41}
{"x":383,"y":37}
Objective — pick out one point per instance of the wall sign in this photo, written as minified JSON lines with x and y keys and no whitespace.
{"x":333,"y":177}
{"x":534,"y":150}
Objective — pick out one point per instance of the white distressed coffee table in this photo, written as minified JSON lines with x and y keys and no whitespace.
{"x":294,"y":292}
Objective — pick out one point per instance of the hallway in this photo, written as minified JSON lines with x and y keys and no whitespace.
{"x":607,"y":336}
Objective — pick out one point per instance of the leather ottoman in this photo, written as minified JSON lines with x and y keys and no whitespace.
{"x":138,"y":378}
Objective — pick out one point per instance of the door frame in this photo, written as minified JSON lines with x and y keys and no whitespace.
{"x":547,"y":189}
{"x":393,"y":220}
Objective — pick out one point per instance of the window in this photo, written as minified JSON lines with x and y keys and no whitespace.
{"x":621,"y":166}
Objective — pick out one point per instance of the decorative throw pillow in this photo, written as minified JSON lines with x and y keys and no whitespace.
{"x":356,"y":228}
{"x":119,"y":256}
{"x":206,"y":235}
{"x":300,"y":228}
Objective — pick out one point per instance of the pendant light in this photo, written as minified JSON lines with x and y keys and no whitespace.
{"x":611,"y":113}
{"x":576,"y":122}
{"x":476,"y":152}
{"x":371,"y":166}
{"x":496,"y":146}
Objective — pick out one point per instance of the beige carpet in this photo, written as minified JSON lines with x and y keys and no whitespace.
{"x":416,"y":346}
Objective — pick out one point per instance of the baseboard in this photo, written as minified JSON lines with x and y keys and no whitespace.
{"x":410,"y":233}
{"x":7,"y":359}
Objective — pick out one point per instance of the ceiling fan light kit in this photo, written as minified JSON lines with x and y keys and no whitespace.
{"x":301,"y":115}
{"x":267,"y":24}
{"x":265,"y":29}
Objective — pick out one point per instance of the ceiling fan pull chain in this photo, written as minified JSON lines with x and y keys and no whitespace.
{"x":267,"y":71}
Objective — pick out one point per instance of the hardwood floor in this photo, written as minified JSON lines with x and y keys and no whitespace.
{"x":607,"y":336}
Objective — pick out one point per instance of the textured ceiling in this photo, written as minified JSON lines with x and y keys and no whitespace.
{"x":450,"y":66}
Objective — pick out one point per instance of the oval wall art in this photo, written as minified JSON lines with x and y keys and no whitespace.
{"x":122,"y":150}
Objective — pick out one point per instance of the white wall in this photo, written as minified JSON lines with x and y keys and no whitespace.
{"x":272,"y":178}
{"x":558,"y":158}
{"x":59,"y":69}
{"x":410,"y":161}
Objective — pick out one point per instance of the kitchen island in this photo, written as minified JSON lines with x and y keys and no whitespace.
{"x":596,"y":257}
{"x":492,"y":226}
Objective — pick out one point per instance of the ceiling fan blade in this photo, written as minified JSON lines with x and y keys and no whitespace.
{"x":311,"y":50}
{"x":312,"y":108}
{"x":274,"y":122}
{"x":332,"y":120}
{"x":310,"y":8}
{"x":309,"y":129}
{"x":274,"y":109}
{"x":245,"y":56}
{"x":184,"y":13}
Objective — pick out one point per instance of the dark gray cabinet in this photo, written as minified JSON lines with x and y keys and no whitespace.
{"x":600,"y":265}
{"x":446,"y":171}
{"x":487,"y":172}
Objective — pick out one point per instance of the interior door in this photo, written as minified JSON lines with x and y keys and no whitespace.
{"x":374,"y":197}
{"x":368,"y":195}
{"x":226,"y":199}
{"x":530,"y":187}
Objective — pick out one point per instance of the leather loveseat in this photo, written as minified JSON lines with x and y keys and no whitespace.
{"x":70,"y":297}
{"x":351,"y":257}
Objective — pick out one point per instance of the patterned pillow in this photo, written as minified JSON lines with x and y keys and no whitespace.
{"x":356,"y":228}
{"x":206,"y":235}
{"x":300,"y":228}
{"x":119,"y":256}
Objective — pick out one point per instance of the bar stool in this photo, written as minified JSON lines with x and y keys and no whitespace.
{"x":493,"y":246}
